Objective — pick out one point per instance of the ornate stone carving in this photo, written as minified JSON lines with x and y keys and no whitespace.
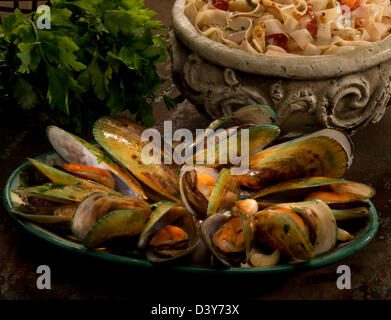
{"x":347,"y":102}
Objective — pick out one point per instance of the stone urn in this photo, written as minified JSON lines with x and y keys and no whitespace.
{"x":308,"y":93}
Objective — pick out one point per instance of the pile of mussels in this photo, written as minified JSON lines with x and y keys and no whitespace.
{"x":285,"y":208}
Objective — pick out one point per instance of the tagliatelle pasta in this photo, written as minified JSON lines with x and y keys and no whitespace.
{"x":292,"y":27}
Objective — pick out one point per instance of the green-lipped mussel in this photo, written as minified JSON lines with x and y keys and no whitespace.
{"x":225,"y":136}
{"x":301,"y":230}
{"x":325,"y":153}
{"x":102,"y":216}
{"x":205,"y":191}
{"x":121,"y":138}
{"x":75,"y":150}
{"x":171,"y":233}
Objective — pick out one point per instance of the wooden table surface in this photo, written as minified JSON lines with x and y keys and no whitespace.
{"x":79,"y":277}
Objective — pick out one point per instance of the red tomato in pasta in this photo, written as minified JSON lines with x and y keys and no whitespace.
{"x":352,"y":4}
{"x":312,"y":25}
{"x":219,"y":4}
{"x":278,"y":39}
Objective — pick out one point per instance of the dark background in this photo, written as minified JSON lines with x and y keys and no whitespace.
{"x":79,"y":277}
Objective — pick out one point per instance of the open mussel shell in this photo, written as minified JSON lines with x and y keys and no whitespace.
{"x":65,"y":194}
{"x":325,"y":153}
{"x":196,"y":185}
{"x":98,"y":175}
{"x":254,"y":115}
{"x":320,"y":219}
{"x":231,"y":145}
{"x":340,"y":201}
{"x":58,"y":205}
{"x":205,"y":191}
{"x":122,"y":139}
{"x":256,"y":255}
{"x":76,"y":150}
{"x":62,"y":221}
{"x":116,"y":224}
{"x":248,"y":225}
{"x":339,"y":214}
{"x":43,"y":215}
{"x":227,"y":252}
{"x":345,"y":195}
{"x":61,"y":177}
{"x":301,"y":230}
{"x":168,"y":213}
{"x":355,"y":189}
{"x":102,"y":216}
{"x":360,"y":190}
{"x":350,"y":213}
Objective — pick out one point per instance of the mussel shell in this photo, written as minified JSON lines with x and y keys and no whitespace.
{"x":228,"y":146}
{"x":343,"y":205}
{"x":224,"y":194}
{"x":99,"y":204}
{"x":39,"y":210}
{"x":360,"y":190}
{"x":248,"y":224}
{"x":257,"y":115}
{"x":280,"y":231}
{"x":195,"y":202}
{"x":349,"y":214}
{"x":326,"y":153}
{"x":322,"y":219}
{"x":339,"y":214}
{"x":343,"y":235}
{"x":168,"y":213}
{"x":210,"y":226}
{"x":98,"y":175}
{"x":66,"y":194}
{"x":122,"y":139}
{"x":62,"y":177}
{"x":116,"y":224}
{"x":76,"y":150}
{"x":45,"y":219}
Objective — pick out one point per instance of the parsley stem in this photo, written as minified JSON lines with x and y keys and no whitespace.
{"x":37,"y":40}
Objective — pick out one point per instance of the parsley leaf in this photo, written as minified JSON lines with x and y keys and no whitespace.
{"x":24,"y":94}
{"x":50,"y":186}
{"x":98,"y":57}
{"x":28,"y":56}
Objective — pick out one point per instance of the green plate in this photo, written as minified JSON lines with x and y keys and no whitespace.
{"x":362,"y":238}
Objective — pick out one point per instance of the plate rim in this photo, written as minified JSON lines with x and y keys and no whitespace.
{"x":314,"y":263}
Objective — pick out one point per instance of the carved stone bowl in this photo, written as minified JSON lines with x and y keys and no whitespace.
{"x":345,"y":91}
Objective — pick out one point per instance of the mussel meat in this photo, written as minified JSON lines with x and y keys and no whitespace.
{"x":171,"y":233}
{"x":205,"y":191}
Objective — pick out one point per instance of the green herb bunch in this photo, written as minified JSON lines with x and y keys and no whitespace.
{"x":99,"y":57}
